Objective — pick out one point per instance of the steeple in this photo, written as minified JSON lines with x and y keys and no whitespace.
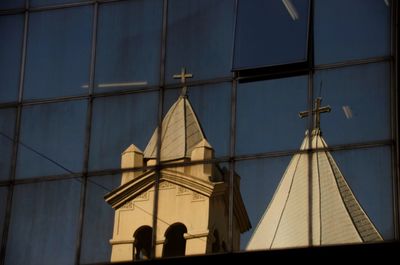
{"x":313,"y":206}
{"x":181,"y":130}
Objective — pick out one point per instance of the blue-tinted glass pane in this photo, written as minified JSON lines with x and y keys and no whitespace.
{"x":58,"y":53}
{"x":99,"y":220}
{"x":199,"y":38}
{"x":267,"y":115}
{"x":53,"y":2}
{"x":368,"y":172}
{"x":359,"y":98}
{"x":211,"y":104}
{"x":7,"y":4}
{"x":348,"y":30}
{"x":128,"y":44}
{"x":7,"y":123}
{"x":259,"y":179}
{"x":3,"y":204}
{"x":270,"y":33}
{"x":55,"y":131}
{"x":11,"y":34}
{"x":119,"y":122}
{"x":44,"y":223}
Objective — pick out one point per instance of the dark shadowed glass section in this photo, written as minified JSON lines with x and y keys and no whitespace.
{"x":211,"y":104}
{"x":128,"y":45}
{"x":360,"y":100}
{"x":270,"y":33}
{"x":3,"y":204}
{"x":98,"y":220}
{"x":350,"y":30}
{"x":55,"y":131}
{"x":44,"y":223}
{"x":11,"y":34}
{"x":53,"y":2}
{"x":259,"y":180}
{"x":58,"y":53}
{"x":199,"y":38}
{"x":267,"y":115}
{"x":119,"y":122}
{"x":8,"y":4}
{"x":7,"y":123}
{"x":175,"y":243}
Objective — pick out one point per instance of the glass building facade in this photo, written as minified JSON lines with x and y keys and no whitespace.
{"x":81,"y":80}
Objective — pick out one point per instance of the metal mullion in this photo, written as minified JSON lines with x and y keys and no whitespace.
{"x":87,"y":135}
{"x":17,"y":128}
{"x":159,"y":117}
{"x":231,"y":183}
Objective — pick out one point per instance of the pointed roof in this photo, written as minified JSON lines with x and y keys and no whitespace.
{"x":335,"y":217}
{"x":181,"y":132}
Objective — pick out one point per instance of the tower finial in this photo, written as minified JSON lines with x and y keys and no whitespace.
{"x":182,"y":76}
{"x":316,"y":112}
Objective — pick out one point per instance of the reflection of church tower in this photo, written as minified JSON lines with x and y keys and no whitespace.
{"x":313,"y":208}
{"x":192,"y":215}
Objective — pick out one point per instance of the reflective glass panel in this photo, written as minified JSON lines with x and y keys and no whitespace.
{"x":368,"y":172}
{"x":7,"y":123}
{"x":98,"y":220}
{"x":128,"y":44}
{"x":258,"y":181}
{"x":359,"y":101}
{"x":55,"y":131}
{"x":211,"y":105}
{"x":8,"y":4}
{"x":11,"y":34}
{"x":119,"y":122}
{"x":44,"y":223}
{"x":270,"y":33}
{"x":199,"y":36}
{"x":58,"y":53}
{"x":52,"y":2}
{"x":349,"y":30}
{"x":267,"y":115}
{"x":192,"y":220}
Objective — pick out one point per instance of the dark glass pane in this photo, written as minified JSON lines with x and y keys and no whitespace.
{"x":55,"y":131}
{"x":359,"y":98}
{"x":7,"y":123}
{"x":3,"y":205}
{"x":8,"y":4}
{"x":211,"y":105}
{"x":349,"y":30}
{"x":53,"y":2}
{"x":98,"y":220}
{"x":199,"y":36}
{"x":259,"y":179}
{"x":44,"y":223}
{"x":368,"y":172}
{"x":58,"y":53}
{"x":119,"y":122}
{"x":270,"y":33}
{"x":267,"y":115}
{"x":128,"y":44}
{"x":11,"y":34}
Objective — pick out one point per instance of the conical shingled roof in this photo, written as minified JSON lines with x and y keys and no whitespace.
{"x":336,"y":215}
{"x":181,"y":132}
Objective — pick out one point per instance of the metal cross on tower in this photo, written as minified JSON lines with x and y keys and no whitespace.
{"x":182,"y":76}
{"x":316,"y":112}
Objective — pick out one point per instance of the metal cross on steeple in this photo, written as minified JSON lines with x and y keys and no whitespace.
{"x":316,"y":112}
{"x":182,"y":76}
